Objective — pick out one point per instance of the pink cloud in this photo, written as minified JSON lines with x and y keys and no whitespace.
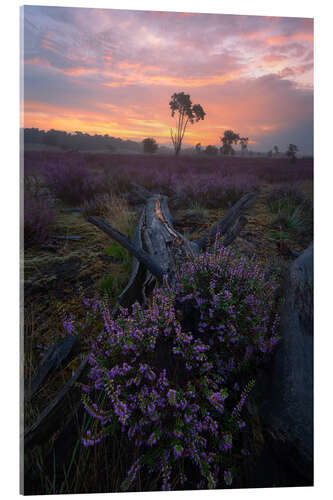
{"x":121,"y":67}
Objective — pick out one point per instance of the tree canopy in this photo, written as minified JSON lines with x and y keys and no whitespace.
{"x":185,"y":112}
{"x":229,"y":138}
{"x":149,"y":145}
{"x":291,"y":152}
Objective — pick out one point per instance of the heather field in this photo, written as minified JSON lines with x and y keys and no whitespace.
{"x":167,"y":251}
{"x":73,"y":275}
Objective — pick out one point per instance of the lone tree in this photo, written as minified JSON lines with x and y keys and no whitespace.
{"x":149,"y":145}
{"x":229,"y":138}
{"x":243,"y":142}
{"x":181,"y":106}
{"x":291,"y":153}
{"x":198,"y":148}
{"x":276,"y":150}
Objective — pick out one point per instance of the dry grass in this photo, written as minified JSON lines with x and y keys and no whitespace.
{"x":114,"y":209}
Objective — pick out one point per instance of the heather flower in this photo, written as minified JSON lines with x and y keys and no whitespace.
{"x":227,"y":477}
{"x":178,"y":450}
{"x":39,"y":215}
{"x":175,"y":393}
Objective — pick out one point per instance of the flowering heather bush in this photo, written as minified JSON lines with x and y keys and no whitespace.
{"x":38,"y":217}
{"x":218,"y":181}
{"x":175,"y":377}
{"x":214,"y":189}
{"x":71,"y":182}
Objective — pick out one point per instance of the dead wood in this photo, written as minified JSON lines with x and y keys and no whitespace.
{"x":228,"y":220}
{"x":234,"y":231}
{"x":52,"y":417}
{"x":52,"y":360}
{"x":141,"y":255}
{"x":158,"y":249}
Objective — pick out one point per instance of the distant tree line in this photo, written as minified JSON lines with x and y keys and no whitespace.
{"x":78,"y":140}
{"x":229,"y":138}
{"x":290,"y":153}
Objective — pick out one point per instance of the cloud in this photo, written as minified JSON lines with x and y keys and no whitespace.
{"x":115,"y":67}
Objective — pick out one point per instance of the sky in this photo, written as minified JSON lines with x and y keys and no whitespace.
{"x":114,"y":71}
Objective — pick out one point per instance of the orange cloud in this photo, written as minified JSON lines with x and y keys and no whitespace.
{"x":300,"y":36}
{"x":273,"y":59}
{"x":139,"y":75}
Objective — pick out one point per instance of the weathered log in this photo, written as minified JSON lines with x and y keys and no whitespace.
{"x":52,"y":417}
{"x":290,"y":411}
{"x":285,"y":388}
{"x":141,"y":255}
{"x":234,"y":231}
{"x":138,"y":195}
{"x":229,"y":219}
{"x":158,"y":249}
{"x":159,"y":244}
{"x":52,"y":360}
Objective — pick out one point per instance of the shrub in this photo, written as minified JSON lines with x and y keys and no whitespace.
{"x":71,"y":182}
{"x":286,"y":196}
{"x":149,"y":145}
{"x":175,"y":377}
{"x":211,"y":150}
{"x":292,"y":210}
{"x":38,"y":217}
{"x":214,"y":190}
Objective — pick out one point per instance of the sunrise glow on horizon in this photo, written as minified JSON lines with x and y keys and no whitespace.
{"x":114,"y":71}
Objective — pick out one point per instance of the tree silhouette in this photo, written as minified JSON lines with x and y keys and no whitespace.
{"x":291,"y":153}
{"x":186,"y":112}
{"x":78,"y":141}
{"x":149,"y":145}
{"x":276,"y":150}
{"x":228,"y":140}
{"x":198,"y":149}
{"x":211,"y":150}
{"x":243,"y":142}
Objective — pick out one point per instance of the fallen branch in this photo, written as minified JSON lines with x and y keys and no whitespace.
{"x":228,"y":220}
{"x":52,"y":360}
{"x":52,"y":417}
{"x":141,"y":255}
{"x":234,"y":231}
